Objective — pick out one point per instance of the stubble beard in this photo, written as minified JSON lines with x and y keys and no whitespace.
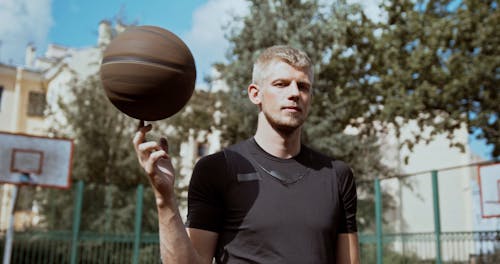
{"x":285,"y":123}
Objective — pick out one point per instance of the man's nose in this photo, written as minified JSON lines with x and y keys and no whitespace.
{"x":294,"y":91}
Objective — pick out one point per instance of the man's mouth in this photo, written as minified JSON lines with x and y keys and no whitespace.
{"x":292,"y":109}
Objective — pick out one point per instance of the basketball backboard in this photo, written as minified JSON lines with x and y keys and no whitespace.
{"x":489,"y":187}
{"x":35,"y":160}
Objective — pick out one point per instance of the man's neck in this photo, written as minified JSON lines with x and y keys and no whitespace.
{"x":276,"y":143}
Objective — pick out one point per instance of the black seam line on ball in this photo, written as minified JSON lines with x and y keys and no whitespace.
{"x":183,"y":46}
{"x":152,"y":61}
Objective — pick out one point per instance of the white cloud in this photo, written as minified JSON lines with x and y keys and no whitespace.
{"x":22,"y":22}
{"x":206,"y":38}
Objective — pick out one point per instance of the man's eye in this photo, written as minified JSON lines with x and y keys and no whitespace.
{"x":304,"y":87}
{"x":280,"y":84}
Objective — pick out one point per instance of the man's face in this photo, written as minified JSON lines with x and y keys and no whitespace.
{"x":285,"y":95}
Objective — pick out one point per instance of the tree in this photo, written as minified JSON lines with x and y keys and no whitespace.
{"x":308,"y":26}
{"x":103,"y":158}
{"x":429,"y":62}
{"x":432,"y":63}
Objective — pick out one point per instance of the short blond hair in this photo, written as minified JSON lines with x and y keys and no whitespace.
{"x":292,"y":56}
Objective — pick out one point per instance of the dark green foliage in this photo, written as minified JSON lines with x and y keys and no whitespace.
{"x":102,"y":136}
{"x":429,"y":61}
{"x":440,"y":66}
{"x":196,"y":116}
{"x":369,"y":256}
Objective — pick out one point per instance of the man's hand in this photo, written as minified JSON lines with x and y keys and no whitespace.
{"x":154,"y":159}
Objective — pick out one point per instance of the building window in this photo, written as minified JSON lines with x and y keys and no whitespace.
{"x":36,"y":104}
{"x":1,"y":91}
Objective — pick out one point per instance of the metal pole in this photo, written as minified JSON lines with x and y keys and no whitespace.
{"x":107,"y":225}
{"x":378,"y":221}
{"x":52,"y":219}
{"x":401,"y":221}
{"x":9,"y":237}
{"x":437,"y":218}
{"x":76,"y":221}
{"x":138,"y":223}
{"x":109,"y":206}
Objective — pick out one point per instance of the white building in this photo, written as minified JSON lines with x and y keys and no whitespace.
{"x":458,"y":188}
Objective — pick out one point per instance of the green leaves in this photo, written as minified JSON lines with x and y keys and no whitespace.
{"x":440,"y":63}
{"x":103,"y":149}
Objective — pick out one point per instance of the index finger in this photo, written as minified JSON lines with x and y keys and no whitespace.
{"x":140,"y":135}
{"x":141,"y":125}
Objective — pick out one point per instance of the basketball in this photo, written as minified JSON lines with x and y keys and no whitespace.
{"x":148,"y":73}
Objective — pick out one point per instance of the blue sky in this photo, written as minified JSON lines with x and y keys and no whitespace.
{"x":82,"y":17}
{"x":73,"y":23}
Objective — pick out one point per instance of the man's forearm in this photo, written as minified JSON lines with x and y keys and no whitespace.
{"x":175,"y":245}
{"x":348,"y":248}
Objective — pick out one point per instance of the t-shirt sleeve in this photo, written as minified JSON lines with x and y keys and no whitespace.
{"x":205,"y":193}
{"x":348,"y":196}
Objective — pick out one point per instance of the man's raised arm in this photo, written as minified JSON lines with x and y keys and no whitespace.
{"x":176,"y":244}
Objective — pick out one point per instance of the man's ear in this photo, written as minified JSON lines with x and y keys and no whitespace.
{"x":254,"y":93}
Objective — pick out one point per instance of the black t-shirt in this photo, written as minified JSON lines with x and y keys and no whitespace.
{"x":271,"y":210}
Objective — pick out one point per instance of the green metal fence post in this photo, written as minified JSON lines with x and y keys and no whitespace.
{"x":378,"y":220}
{"x":77,"y":213}
{"x":138,"y":223}
{"x":437,"y":217}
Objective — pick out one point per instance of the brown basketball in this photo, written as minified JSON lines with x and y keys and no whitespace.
{"x":148,"y":73}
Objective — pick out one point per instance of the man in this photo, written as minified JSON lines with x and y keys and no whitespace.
{"x":268,"y":199}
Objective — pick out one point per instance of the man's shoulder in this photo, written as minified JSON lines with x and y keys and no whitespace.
{"x":209,"y":170}
{"x":316,"y":155}
{"x":220,"y":157}
{"x":211,"y":160}
{"x":338,"y":165}
{"x":213,"y":156}
{"x":238,"y":146}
